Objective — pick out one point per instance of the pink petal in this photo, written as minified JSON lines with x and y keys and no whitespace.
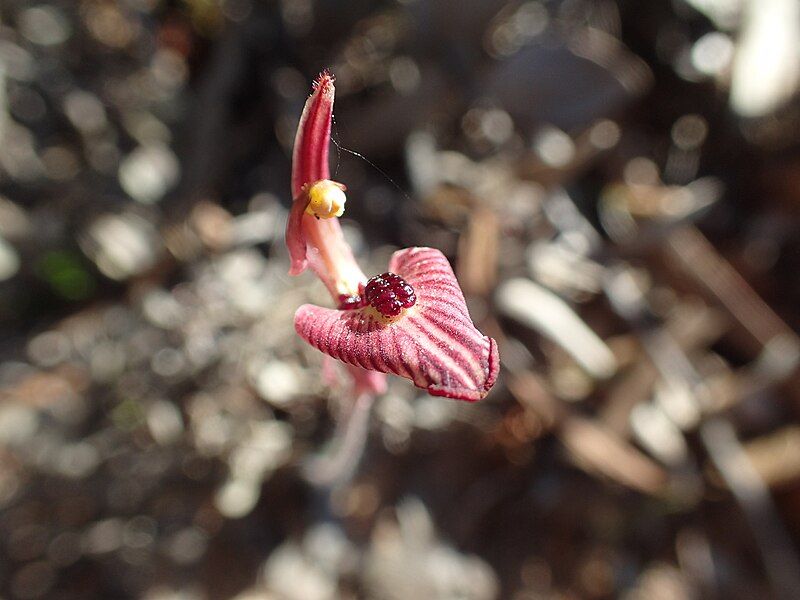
{"x":309,"y":163}
{"x":434,"y":344}
{"x":295,"y":237}
{"x":310,"y":154}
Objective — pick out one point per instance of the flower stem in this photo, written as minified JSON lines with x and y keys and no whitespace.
{"x":337,"y":464}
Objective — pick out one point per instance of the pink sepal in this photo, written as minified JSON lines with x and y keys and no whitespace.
{"x":309,"y":163}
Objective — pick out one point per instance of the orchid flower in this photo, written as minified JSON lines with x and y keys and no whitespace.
{"x":411,"y":321}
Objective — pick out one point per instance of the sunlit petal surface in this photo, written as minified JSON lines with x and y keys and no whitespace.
{"x":434,"y":343}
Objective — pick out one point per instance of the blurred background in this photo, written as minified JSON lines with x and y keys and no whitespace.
{"x":617,"y":183}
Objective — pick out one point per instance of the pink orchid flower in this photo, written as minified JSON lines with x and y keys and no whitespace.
{"x":411,"y":321}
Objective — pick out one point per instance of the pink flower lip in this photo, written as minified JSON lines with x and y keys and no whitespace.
{"x":433,"y":343}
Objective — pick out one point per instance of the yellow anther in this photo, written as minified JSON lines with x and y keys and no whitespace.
{"x":326,"y":199}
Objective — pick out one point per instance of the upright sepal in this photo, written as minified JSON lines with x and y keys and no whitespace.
{"x":309,"y":164}
{"x":310,"y":153}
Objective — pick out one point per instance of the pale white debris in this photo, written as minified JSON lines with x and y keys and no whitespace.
{"x":247,"y":282}
{"x":677,"y":401}
{"x":766,"y":67}
{"x":278,"y":382}
{"x":149,"y":172}
{"x":658,"y":434}
{"x":553,"y":147}
{"x":562,"y":269}
{"x":121,"y":245}
{"x":542,"y":310}
{"x":14,"y":220}
{"x":779,"y":357}
{"x":161,"y":592}
{"x":103,"y":536}
{"x":187,"y":545}
{"x":16,"y":62}
{"x":294,"y":576}
{"x":422,"y":158}
{"x":404,"y":74}
{"x":259,"y":226}
{"x":9,"y":260}
{"x":85,"y":111}
{"x":237,"y":497}
{"x":44,"y":25}
{"x":407,"y":560}
{"x":661,"y":581}
{"x":17,"y":423}
{"x":164,"y":422}
{"x":266,"y":447}
{"x":328,"y":548}
{"x":18,"y":156}
{"x":724,"y":13}
{"x":397,"y":415}
{"x":75,"y":461}
{"x":712,"y":54}
{"x":162,"y":309}
{"x":605,"y":134}
{"x":431,"y":414}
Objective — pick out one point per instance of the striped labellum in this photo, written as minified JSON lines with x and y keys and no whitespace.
{"x":433,"y":342}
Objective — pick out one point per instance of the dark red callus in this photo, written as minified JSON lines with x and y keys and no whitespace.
{"x":389,"y":294}
{"x":352,"y":302}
